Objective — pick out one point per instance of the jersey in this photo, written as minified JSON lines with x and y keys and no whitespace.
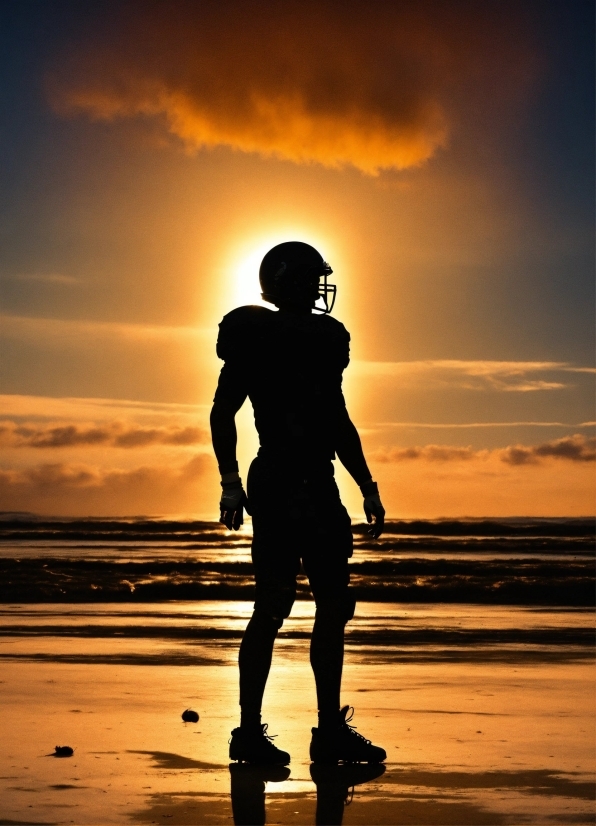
{"x":291,"y":367}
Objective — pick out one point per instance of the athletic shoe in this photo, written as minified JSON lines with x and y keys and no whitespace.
{"x":344,"y":744}
{"x":256,"y":746}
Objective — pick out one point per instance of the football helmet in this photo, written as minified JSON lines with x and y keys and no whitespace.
{"x":290,"y":273}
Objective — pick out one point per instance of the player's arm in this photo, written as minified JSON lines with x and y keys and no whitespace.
{"x":229,"y":398}
{"x":349,"y":452}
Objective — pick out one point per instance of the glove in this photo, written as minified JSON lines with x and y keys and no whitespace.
{"x":233,"y":501}
{"x":373,"y":508}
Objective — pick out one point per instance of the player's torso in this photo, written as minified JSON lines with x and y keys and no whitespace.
{"x":293,"y":370}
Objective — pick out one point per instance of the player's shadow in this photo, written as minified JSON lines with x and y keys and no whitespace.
{"x":335,"y":788}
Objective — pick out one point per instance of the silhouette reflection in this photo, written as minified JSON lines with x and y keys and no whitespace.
{"x":335,"y":788}
{"x":248,"y":791}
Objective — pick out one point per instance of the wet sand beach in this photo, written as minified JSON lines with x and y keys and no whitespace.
{"x":486,"y":709}
{"x":503,"y":733}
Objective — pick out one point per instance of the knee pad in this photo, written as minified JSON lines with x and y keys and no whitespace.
{"x":275,"y":601}
{"x":339,"y":608}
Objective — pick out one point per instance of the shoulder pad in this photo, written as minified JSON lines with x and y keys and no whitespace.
{"x":239,"y":328}
{"x":334,"y":327}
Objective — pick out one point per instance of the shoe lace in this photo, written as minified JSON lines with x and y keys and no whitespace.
{"x":352,"y":729}
{"x":269,"y":737}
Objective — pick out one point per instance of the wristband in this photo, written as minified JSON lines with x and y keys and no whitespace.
{"x":229,"y":478}
{"x":237,"y":485}
{"x":369,"y":488}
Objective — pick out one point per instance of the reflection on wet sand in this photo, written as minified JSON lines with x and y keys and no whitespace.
{"x":478,"y":744}
{"x":248,"y":791}
{"x":335,"y":789}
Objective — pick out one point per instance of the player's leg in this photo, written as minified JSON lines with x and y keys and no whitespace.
{"x":334,"y":740}
{"x":250,"y":742}
{"x":334,"y":608}
{"x":275,"y":578}
{"x":254,"y":661}
{"x":326,"y":565}
{"x":273,"y":603}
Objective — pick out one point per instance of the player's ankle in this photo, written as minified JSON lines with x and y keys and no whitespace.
{"x":328,"y":720}
{"x":250,"y":720}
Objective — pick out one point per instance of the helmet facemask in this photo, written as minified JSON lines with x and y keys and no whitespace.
{"x":327,"y":291}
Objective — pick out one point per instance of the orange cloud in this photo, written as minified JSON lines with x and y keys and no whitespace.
{"x":112,"y":434}
{"x":333,"y":83}
{"x":575,"y":448}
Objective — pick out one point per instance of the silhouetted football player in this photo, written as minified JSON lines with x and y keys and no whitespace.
{"x":290,"y":364}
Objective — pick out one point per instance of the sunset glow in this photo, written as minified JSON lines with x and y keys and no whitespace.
{"x":427,"y":151}
{"x":416,"y":643}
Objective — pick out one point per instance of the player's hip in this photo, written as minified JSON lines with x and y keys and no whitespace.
{"x":297,"y":514}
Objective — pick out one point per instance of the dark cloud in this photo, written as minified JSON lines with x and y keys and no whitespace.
{"x":66,"y":488}
{"x":345,"y":83}
{"x":429,"y":453}
{"x":65,"y":475}
{"x":575,"y":448}
{"x":112,"y":434}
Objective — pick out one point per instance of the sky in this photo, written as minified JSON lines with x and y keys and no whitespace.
{"x":438,"y":154}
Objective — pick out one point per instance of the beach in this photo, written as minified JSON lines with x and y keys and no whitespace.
{"x":326,"y":262}
{"x":486,"y":710}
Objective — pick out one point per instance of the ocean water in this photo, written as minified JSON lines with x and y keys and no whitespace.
{"x":499,"y":562}
{"x":149,"y":591}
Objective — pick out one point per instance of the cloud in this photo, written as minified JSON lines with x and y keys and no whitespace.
{"x":48,"y":407}
{"x":576,"y":448}
{"x":573,"y":448}
{"x":66,"y":330}
{"x":473,"y":425}
{"x":429,"y":453}
{"x":333,"y":83}
{"x":111,"y":434}
{"x":503,"y":376}
{"x":66,"y":488}
{"x":47,"y":278}
{"x":64,"y":475}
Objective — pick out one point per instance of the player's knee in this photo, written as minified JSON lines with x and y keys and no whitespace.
{"x":349,"y":606}
{"x":338,"y":609}
{"x":275,"y":602}
{"x":266,"y":620}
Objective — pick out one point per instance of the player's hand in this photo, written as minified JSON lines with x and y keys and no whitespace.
{"x":232,"y":504}
{"x":373,"y":508}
